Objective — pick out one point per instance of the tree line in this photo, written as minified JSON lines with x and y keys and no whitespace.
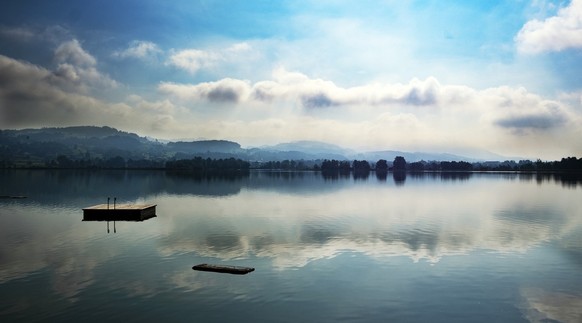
{"x":118,"y":162}
{"x":568,"y":164}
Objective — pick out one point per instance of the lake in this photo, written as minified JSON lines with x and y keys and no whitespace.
{"x":430,"y":247}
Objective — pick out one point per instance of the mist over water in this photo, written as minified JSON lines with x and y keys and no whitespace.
{"x":401,"y":247}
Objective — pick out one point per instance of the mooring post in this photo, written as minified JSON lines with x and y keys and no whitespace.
{"x":114,"y":201}
{"x":108,"y":202}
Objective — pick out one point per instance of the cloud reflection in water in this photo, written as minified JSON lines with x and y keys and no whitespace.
{"x":282,"y":225}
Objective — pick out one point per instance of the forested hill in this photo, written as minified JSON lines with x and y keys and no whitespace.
{"x":36,"y":145}
{"x":88,"y":145}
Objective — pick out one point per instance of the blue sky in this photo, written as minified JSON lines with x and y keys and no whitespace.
{"x":451,"y":76}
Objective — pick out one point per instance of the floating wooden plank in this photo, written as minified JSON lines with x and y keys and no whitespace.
{"x":119,"y":212}
{"x":236,"y":270}
{"x":12,"y":197}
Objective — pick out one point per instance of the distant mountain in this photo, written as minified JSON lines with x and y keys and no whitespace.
{"x":322,"y":150}
{"x":89,"y":143}
{"x":311,"y":147}
{"x":204,"y":146}
{"x":484,"y":155}
{"x":307,"y":150}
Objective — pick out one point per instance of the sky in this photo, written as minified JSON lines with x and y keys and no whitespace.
{"x":423,"y":75}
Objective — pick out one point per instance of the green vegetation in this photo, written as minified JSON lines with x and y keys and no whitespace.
{"x":333,"y":165}
{"x":399,"y":164}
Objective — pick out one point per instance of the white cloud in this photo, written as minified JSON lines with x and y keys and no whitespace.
{"x":318,"y":93}
{"x":71,"y":51}
{"x":77,"y":70}
{"x":194,"y":60}
{"x":526,"y":111}
{"x":223,"y":91}
{"x":139,"y":49}
{"x":557,"y":33}
{"x":239,"y":48}
{"x":163,"y":106}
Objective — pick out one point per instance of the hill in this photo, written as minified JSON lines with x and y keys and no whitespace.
{"x":90,"y":145}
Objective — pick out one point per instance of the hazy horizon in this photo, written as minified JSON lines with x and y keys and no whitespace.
{"x":446,"y":76}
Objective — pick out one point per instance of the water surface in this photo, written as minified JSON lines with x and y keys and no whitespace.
{"x":399,"y":248}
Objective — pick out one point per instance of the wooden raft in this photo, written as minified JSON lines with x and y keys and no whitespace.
{"x":119,"y":212}
{"x":237,"y":270}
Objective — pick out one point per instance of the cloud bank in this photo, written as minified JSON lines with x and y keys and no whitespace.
{"x":317,"y":93}
{"x":513,"y":108}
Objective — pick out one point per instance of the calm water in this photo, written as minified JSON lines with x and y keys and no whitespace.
{"x":422,"y":248}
